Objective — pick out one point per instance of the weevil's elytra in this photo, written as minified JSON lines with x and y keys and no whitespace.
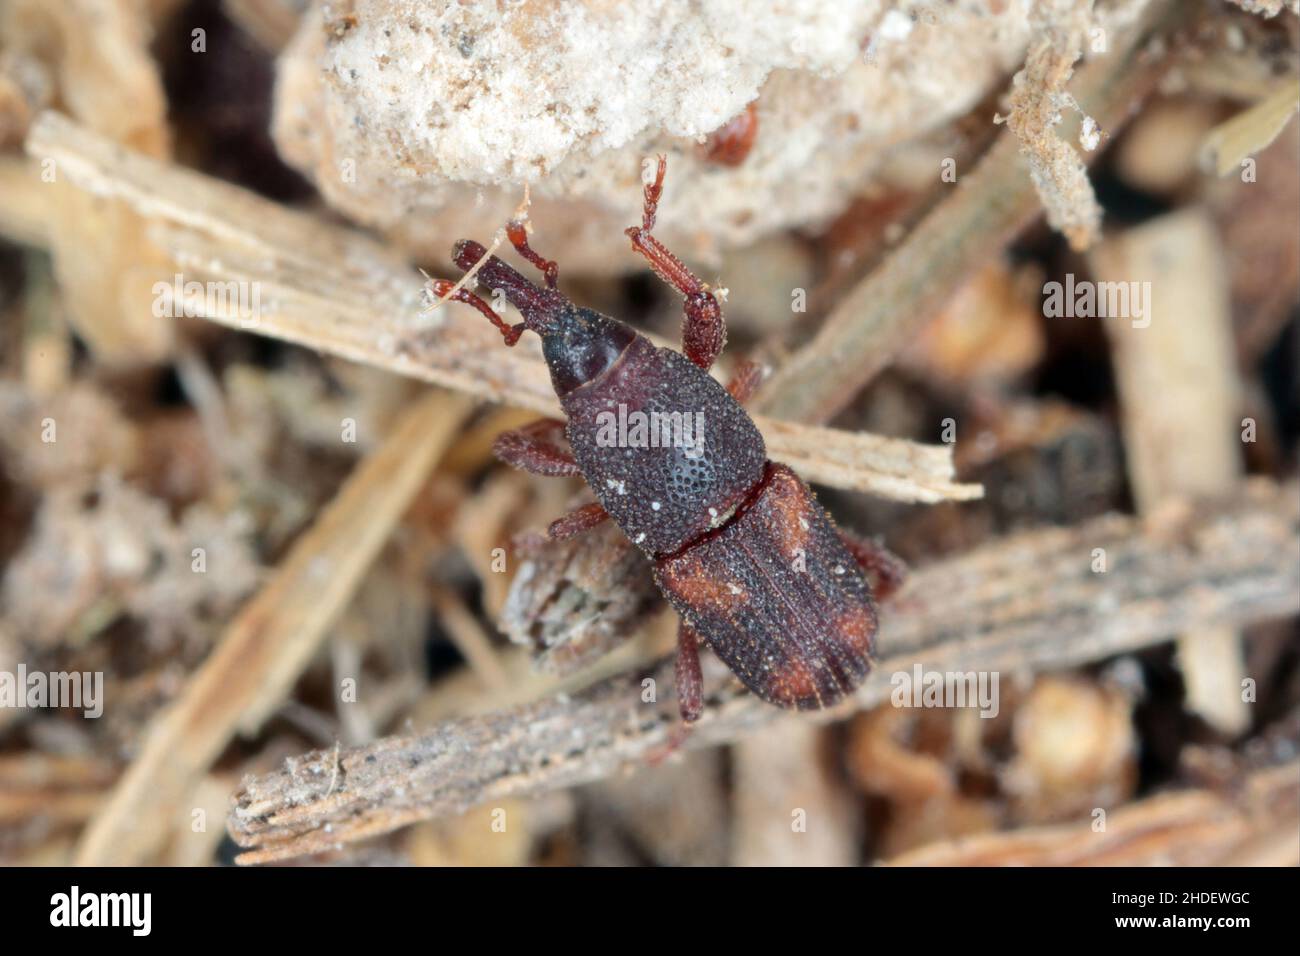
{"x":741,"y":548}
{"x":778,"y":597}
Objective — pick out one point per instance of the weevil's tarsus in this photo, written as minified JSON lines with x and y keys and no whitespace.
{"x":653,"y":191}
{"x":673,"y":744}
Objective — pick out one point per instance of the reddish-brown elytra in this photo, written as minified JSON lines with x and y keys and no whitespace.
{"x":754,"y":566}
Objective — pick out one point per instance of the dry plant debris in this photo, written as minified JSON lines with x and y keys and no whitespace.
{"x":1036,"y":102}
{"x":1178,"y":382}
{"x":1230,"y":144}
{"x":886,"y":309}
{"x":1251,"y":826}
{"x":274,"y":636}
{"x":369,"y":313}
{"x":970,"y":613}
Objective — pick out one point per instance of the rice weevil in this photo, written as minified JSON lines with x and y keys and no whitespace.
{"x":753,"y":564}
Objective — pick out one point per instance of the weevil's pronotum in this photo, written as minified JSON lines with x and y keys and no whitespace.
{"x":754,"y":566}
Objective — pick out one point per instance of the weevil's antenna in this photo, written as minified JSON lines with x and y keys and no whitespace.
{"x":521,"y":215}
{"x":538,"y":306}
{"x":511,"y":332}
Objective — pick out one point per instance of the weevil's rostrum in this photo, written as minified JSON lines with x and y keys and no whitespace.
{"x":752,"y":563}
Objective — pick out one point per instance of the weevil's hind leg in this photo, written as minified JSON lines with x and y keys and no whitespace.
{"x":704,"y":332}
{"x":442,"y":287}
{"x":745,"y":380}
{"x":538,"y":448}
{"x":886,"y":570}
{"x":518,"y":233}
{"x":688,"y":677}
{"x":577,"y":521}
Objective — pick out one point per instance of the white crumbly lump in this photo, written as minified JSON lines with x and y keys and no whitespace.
{"x":424,"y":118}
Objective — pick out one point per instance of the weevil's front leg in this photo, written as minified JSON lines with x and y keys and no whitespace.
{"x":518,"y":233}
{"x":704,"y":332}
{"x":885,"y":569}
{"x":441,"y":288}
{"x":538,"y":448}
{"x":577,"y":521}
{"x":745,"y":380}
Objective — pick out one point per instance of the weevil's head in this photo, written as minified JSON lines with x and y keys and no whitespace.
{"x":579,"y":344}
